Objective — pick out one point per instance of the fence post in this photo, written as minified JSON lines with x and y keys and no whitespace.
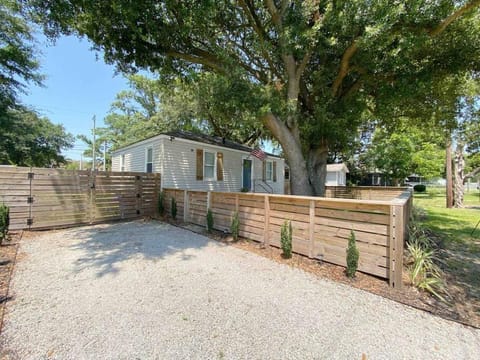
{"x":266,"y":233}
{"x":209,"y":202}
{"x":185,"y":206}
{"x":396,"y":246}
{"x":138,"y":189}
{"x":156,"y":195}
{"x":92,"y":195}
{"x":311,"y":229}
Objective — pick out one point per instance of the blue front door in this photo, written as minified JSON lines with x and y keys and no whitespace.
{"x":247,"y":174}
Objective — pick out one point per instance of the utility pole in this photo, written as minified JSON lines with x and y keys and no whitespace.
{"x":81,"y":161}
{"x":93,"y":144}
{"x":105,"y":155}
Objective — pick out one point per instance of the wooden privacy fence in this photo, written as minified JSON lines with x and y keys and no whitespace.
{"x":47,"y":198}
{"x":321,"y":226}
{"x":365,"y":192}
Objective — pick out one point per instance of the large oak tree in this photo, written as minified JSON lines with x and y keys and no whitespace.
{"x":309,"y":69}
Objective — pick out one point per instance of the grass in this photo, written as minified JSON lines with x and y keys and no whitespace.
{"x":460,"y":255}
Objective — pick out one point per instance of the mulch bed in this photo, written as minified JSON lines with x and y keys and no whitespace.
{"x":8,"y":254}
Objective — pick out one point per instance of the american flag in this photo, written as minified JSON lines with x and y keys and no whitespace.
{"x":259,"y":154}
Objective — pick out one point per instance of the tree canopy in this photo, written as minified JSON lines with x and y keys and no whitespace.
{"x":25,"y":138}
{"x":208,"y":104}
{"x":405,"y":150}
{"x":18,"y":64}
{"x":30,"y":140}
{"x":309,"y":71}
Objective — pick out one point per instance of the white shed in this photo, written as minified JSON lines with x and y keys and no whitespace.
{"x":336,"y":175}
{"x":194,"y":161}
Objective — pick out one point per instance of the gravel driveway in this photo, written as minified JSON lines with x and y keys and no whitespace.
{"x":150,"y":290}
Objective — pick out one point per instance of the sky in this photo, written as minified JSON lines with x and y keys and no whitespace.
{"x":78,"y":85}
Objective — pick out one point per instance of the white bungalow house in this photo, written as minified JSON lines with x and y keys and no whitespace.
{"x":336,"y":175}
{"x":193,"y":161}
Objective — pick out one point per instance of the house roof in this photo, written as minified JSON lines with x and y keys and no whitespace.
{"x":337,"y":167}
{"x":205,"y":139}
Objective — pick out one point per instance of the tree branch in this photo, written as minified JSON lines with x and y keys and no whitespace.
{"x":344,"y":66}
{"x":451,"y":18}
{"x":272,"y":9}
{"x":260,"y":30}
{"x":198,"y":59}
{"x":472,"y":173}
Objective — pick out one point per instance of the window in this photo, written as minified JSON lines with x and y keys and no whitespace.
{"x":122,"y":162}
{"x":287,"y":174}
{"x":149,"y":160}
{"x":269,"y":171}
{"x":209,"y":165}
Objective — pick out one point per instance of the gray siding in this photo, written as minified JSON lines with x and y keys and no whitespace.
{"x":176,"y":161}
{"x":180,"y":167}
{"x":135,"y":156}
{"x":276,"y":186}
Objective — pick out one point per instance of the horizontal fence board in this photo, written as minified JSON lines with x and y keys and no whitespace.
{"x":321,"y":226}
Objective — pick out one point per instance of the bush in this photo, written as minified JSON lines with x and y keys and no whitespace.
{"x":209,"y":220}
{"x":352,"y":255}
{"x":235,"y":226}
{"x":286,"y":239}
{"x":419,"y":188}
{"x":161,"y":203}
{"x":423,"y":272}
{"x":4,"y":220}
{"x":174,"y":208}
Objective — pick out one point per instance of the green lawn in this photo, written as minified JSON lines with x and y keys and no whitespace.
{"x":460,"y":253}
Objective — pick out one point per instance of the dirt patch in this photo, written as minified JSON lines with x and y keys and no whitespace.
{"x":461,"y":307}
{"x":8,"y":253}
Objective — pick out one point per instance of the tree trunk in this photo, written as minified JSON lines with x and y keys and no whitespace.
{"x":317,"y":169}
{"x":299,"y":177}
{"x":448,"y":164}
{"x":458,"y":176}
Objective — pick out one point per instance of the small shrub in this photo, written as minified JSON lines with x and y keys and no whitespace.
{"x":352,"y":255}
{"x":161,"y":203}
{"x":4,"y":220}
{"x":174,"y":208}
{"x":424,"y":273}
{"x":209,"y":220}
{"x":244,"y":189}
{"x":420,"y":188}
{"x":235,"y":226}
{"x":286,"y":239}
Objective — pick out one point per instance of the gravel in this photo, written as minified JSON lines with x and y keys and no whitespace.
{"x":153,"y":291}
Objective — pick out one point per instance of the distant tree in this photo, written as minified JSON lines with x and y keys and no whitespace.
{"x":205,"y":103}
{"x":18,"y":58}
{"x":30,"y":140}
{"x":392,"y":155}
{"x":103,"y":145}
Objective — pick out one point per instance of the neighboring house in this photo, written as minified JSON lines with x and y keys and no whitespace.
{"x":336,"y":175}
{"x":375,"y":178}
{"x":200,"y":162}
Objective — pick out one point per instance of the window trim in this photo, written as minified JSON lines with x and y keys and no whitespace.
{"x":122,"y":162}
{"x":214,"y":178}
{"x":146,"y":158}
{"x":271,"y":170}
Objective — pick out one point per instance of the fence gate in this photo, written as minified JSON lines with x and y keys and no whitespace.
{"x":46,"y":198}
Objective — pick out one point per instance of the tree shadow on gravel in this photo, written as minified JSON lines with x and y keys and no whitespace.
{"x":107,"y":246}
